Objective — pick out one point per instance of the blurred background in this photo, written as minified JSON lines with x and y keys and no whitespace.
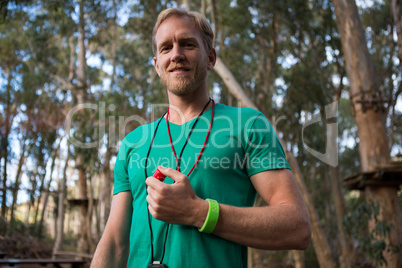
{"x":77,"y":76}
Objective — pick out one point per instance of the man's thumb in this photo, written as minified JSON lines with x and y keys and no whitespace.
{"x":171,"y":173}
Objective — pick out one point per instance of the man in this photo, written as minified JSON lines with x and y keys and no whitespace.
{"x":207,"y":151}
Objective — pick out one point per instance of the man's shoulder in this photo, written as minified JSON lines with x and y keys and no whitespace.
{"x":139,"y":134}
{"x":235,"y":112}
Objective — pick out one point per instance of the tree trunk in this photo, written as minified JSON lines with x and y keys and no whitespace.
{"x":186,"y":4}
{"x":83,"y":208}
{"x":17,"y":186}
{"x":320,"y":241}
{"x":16,"y":189}
{"x":366,"y":100}
{"x":389,"y":203}
{"x":298,"y":257}
{"x":213,"y":18}
{"x":107,"y":186}
{"x":88,"y":219}
{"x":26,"y":218}
{"x":346,"y":247}
{"x":47,"y":191}
{"x":31,"y":197}
{"x":80,"y":165}
{"x":39,"y":225}
{"x":61,"y":208}
{"x":4,"y":191}
{"x":397,"y":16}
{"x":4,"y":142}
{"x":250,"y":263}
{"x":392,"y":96}
{"x":233,"y":86}
{"x":40,"y":197}
{"x":363,"y":89}
{"x":114,"y":43}
{"x":321,"y":245}
{"x":107,"y":177}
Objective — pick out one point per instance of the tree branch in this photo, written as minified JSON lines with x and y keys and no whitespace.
{"x":232,"y":85}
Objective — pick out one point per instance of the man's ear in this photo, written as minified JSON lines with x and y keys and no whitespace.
{"x":211,"y":59}
{"x":156,"y":65}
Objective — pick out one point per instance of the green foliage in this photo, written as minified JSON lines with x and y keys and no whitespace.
{"x":372,"y":242}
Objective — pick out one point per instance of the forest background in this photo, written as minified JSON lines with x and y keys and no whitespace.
{"x":77,"y":76}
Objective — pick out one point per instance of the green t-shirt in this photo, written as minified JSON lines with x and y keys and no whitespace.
{"x":241,"y":143}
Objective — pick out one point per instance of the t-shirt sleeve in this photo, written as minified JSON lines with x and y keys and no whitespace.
{"x":121,"y":181}
{"x":263,"y":150}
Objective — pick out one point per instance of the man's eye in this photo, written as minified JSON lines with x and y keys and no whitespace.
{"x":164,"y":48}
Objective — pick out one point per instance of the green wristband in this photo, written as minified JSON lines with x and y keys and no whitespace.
{"x":212,"y":217}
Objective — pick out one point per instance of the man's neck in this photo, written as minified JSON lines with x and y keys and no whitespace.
{"x":186,"y":107}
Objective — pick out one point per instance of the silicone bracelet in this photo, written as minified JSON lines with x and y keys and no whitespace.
{"x":212,"y":217}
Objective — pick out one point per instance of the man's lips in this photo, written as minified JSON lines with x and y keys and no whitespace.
{"x":179,"y":69}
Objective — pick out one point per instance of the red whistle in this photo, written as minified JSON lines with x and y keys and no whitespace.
{"x":158,"y":175}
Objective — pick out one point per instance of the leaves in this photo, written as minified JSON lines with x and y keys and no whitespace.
{"x":371,"y":242}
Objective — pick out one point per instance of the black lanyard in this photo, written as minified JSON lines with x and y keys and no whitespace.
{"x":177,"y":168}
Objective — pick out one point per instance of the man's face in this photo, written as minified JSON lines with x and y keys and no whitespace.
{"x":181,"y":60}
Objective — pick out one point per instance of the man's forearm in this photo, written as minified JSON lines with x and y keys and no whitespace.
{"x":276,"y":227}
{"x":113,"y":248}
{"x":108,"y":255}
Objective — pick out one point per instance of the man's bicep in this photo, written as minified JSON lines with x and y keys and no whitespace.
{"x":277,"y":186}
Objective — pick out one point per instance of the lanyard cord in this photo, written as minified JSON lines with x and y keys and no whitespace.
{"x":188,"y":137}
{"x":178,"y":164}
{"x":146,"y":176}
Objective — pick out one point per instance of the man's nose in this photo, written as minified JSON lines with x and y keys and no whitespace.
{"x":177,"y":54}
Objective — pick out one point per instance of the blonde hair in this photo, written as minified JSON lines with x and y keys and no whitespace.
{"x":199,"y":20}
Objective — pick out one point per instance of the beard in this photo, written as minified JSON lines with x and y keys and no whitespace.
{"x":184,"y":84}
